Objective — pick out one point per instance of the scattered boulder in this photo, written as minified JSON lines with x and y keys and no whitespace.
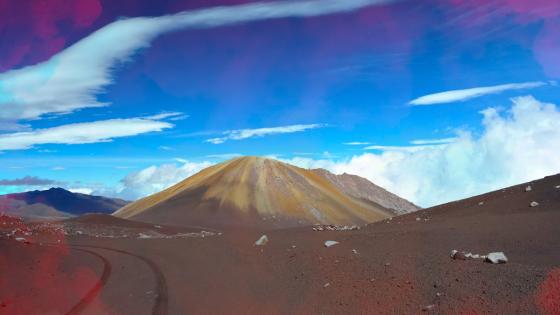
{"x":457,"y":255}
{"x":355,"y":251}
{"x":534,"y":204}
{"x":262,"y":241}
{"x":528,"y":188}
{"x":330,"y":243}
{"x":496,"y":258}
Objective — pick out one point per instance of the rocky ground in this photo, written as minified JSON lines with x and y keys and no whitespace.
{"x":398,"y":266}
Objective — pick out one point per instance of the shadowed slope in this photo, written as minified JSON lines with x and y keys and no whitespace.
{"x":252,"y":191}
{"x":56,"y":203}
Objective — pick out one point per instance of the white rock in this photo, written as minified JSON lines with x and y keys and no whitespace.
{"x":326,"y":284}
{"x":428,"y":308}
{"x":557,"y":187}
{"x":481,"y":203}
{"x":354,"y":251}
{"x":418,"y":219}
{"x":534,"y":204}
{"x":528,"y":188}
{"x":330,"y":243}
{"x":497,"y":258}
{"x":20,"y":239}
{"x":143,"y":235}
{"x":453,"y":253}
{"x":262,"y":241}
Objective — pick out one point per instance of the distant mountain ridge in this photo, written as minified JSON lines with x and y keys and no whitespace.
{"x":56,"y":203}
{"x":359,"y":187}
{"x":260,"y":192}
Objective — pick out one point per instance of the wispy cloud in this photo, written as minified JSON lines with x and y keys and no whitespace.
{"x":357,"y":143}
{"x":71,"y":79}
{"x":224,"y":156}
{"x":79,"y":133}
{"x":412,"y":148}
{"x":261,"y":132}
{"x":27,"y":181}
{"x":168,"y":115}
{"x":433,"y":141}
{"x":467,"y":94}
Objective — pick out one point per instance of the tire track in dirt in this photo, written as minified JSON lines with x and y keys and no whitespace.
{"x":93,"y":292}
{"x":161,"y":303}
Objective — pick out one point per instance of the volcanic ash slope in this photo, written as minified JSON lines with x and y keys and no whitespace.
{"x":254,"y":192}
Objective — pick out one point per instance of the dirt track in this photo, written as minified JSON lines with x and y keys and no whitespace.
{"x":94,"y":291}
{"x":160,"y":290}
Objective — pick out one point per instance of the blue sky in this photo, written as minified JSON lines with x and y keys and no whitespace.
{"x":99,"y":103}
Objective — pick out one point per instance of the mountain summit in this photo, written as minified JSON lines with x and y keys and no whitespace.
{"x":255,"y":192}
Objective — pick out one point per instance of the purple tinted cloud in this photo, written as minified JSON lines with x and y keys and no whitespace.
{"x":27,"y":181}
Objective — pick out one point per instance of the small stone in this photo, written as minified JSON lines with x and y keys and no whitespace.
{"x":262,"y":241}
{"x":457,"y":255}
{"x":418,"y":219}
{"x":387,"y":264}
{"x":326,"y":285}
{"x":428,"y":308}
{"x":481,"y":203}
{"x":438,"y":294}
{"x":355,"y":251}
{"x":496,"y":258}
{"x":534,"y":204}
{"x":557,"y":186}
{"x":528,"y":188}
{"x":330,"y":243}
{"x":23,"y":240}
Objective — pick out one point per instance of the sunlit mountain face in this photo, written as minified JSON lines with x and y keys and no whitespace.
{"x":432,"y":100}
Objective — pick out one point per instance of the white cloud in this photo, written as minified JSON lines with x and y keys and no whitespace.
{"x":261,"y":132}
{"x":466,"y":94}
{"x":157,"y":178}
{"x":433,"y":141}
{"x":412,"y":148}
{"x":225,"y":156}
{"x":168,"y":115}
{"x":357,"y":143}
{"x":515,"y":146}
{"x":84,"y":190}
{"x":71,"y":79}
{"x":79,"y":133}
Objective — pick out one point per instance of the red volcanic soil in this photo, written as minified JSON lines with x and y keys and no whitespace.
{"x":398,"y":266}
